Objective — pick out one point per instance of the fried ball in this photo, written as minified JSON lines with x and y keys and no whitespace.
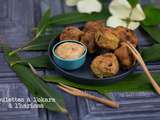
{"x":88,"y":38}
{"x":106,"y":39}
{"x":94,"y":25}
{"x":71,"y":33}
{"x":125,"y":34}
{"x":125,"y":57}
{"x":105,"y":65}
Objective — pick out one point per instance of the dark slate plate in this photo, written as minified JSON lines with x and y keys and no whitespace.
{"x":83,"y":75}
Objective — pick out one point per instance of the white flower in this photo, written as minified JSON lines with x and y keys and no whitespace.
{"x":85,"y":6}
{"x":124,"y":15}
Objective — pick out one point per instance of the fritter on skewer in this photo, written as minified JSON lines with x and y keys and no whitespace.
{"x":125,"y":34}
{"x":125,"y":57}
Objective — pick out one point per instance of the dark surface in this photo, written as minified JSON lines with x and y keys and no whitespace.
{"x":84,"y":75}
{"x":17,"y":17}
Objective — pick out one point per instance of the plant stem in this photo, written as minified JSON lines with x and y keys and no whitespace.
{"x":69,"y":116}
{"x":15,"y":51}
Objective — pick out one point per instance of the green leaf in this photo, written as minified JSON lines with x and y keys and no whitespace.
{"x":133,"y":83}
{"x":44,"y":20}
{"x":41,"y":28}
{"x":75,"y":17}
{"x":37,"y":62}
{"x":153,"y":31}
{"x":38,"y":44}
{"x":35,"y":85}
{"x":42,"y":42}
{"x":151,"y":54}
{"x":152,"y":15}
{"x":133,"y":2}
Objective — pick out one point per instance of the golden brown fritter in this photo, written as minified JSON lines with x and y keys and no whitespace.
{"x":105,"y":65}
{"x":94,"y":25}
{"x":88,"y":38}
{"x":125,"y":57}
{"x":71,"y":33}
{"x":105,"y":38}
{"x":125,"y":34}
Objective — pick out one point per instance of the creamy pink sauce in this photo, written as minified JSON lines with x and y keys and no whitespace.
{"x":69,"y":50}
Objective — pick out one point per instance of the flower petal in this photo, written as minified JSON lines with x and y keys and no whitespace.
{"x":89,"y":6}
{"x":120,"y":8}
{"x":137,"y":13}
{"x":71,"y":2}
{"x":133,"y":25}
{"x":114,"y":21}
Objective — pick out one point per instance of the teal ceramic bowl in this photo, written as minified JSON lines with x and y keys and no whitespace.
{"x":69,"y":64}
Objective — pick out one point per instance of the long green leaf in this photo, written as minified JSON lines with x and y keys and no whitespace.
{"x":42,"y":42}
{"x":45,"y":19}
{"x":152,"y":15}
{"x":153,"y":31}
{"x":39,"y":44}
{"x":150,"y":54}
{"x":75,"y":17}
{"x":37,"y":62}
{"x":41,"y":28}
{"x":35,"y":85}
{"x":133,"y":83}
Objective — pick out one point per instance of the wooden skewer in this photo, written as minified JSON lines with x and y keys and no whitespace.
{"x":77,"y":92}
{"x":140,"y":60}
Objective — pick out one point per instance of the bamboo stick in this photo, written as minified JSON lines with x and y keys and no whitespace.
{"x":142,"y":63}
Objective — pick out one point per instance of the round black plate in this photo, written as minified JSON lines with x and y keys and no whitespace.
{"x":84,"y":75}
